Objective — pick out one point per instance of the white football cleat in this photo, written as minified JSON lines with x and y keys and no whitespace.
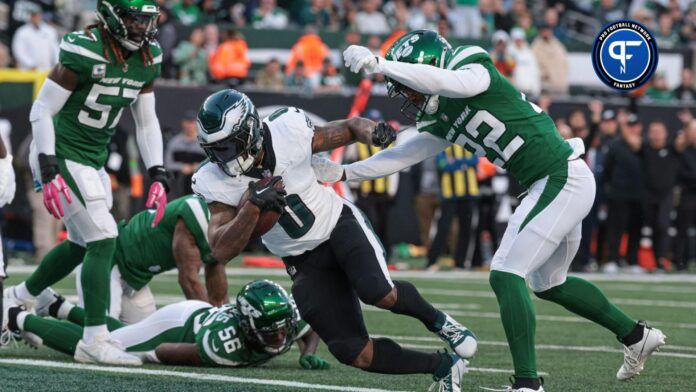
{"x":460,"y":339}
{"x":104,"y":352}
{"x":510,"y":388}
{"x":452,"y":381}
{"x":635,"y":355}
{"x":44,"y":301}
{"x":9,"y":293}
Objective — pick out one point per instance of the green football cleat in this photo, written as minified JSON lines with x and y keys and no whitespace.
{"x":460,"y":339}
{"x":451,"y":382}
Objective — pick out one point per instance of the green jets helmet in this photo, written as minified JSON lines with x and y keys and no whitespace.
{"x":417,"y":47}
{"x":268,"y":315}
{"x":132,"y":22}
{"x":229,"y":131}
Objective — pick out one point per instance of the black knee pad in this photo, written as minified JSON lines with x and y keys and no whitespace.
{"x":371,"y":288}
{"x":347,"y":350}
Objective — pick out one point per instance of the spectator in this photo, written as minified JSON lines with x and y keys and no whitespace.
{"x":210,"y":13}
{"x":212,"y":38}
{"x":686,"y":214}
{"x":187,"y":12}
{"x":374,"y":43}
{"x":311,"y":50}
{"x":330,"y":80}
{"x":551,"y":18}
{"x":458,"y":190}
{"x":35,"y":44}
{"x":427,"y":199}
{"x":183,"y":155}
{"x":466,"y":19}
{"x":502,"y":20}
{"x":686,"y":92}
{"x":269,"y":16}
{"x":5,"y":58}
{"x":624,"y":187}
{"x":370,"y":20}
{"x":271,"y":76}
{"x":298,"y":79}
{"x":552,"y":58}
{"x":525,"y":75}
{"x":167,"y":38}
{"x":191,"y":58}
{"x":231,"y":61}
{"x":444,"y":28}
{"x":526,"y":23}
{"x":666,"y":36}
{"x":658,"y":90}
{"x":606,"y":11}
{"x":424,"y":17}
{"x":660,"y":170}
{"x":578,"y":124}
{"x":500,"y":54}
{"x":318,"y":14}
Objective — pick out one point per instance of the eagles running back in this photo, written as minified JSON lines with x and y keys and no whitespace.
{"x":312,"y":209}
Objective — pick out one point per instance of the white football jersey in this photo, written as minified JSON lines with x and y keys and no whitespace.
{"x":312,"y":210}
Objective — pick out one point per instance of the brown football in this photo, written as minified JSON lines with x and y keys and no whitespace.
{"x":268,"y":218}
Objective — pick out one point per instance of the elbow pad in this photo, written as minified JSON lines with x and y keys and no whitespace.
{"x":51,"y":99}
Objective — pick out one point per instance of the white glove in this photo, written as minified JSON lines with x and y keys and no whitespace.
{"x":359,"y":57}
{"x":326,"y":170}
{"x":7,"y":181}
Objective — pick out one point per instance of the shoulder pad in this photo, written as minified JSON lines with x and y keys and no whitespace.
{"x":466,"y":55}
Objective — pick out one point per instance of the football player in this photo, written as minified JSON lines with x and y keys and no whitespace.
{"x":142,"y":251}
{"x":261,"y":324}
{"x":458,"y":96}
{"x":330,"y":252}
{"x":103,"y":69}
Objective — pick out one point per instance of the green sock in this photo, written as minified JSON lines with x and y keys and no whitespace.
{"x":77,"y":316}
{"x":57,"y":334}
{"x":96,"y":271}
{"x":56,"y":265}
{"x":587,"y":300}
{"x":517,"y":314}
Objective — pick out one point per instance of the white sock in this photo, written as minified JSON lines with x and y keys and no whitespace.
{"x":20,"y":319}
{"x":94,"y":333}
{"x":65,"y":309}
{"x":21,"y":292}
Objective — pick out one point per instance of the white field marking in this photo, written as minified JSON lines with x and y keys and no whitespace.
{"x":454,"y":276}
{"x":450,"y":305}
{"x":649,"y":288}
{"x":186,"y":375}
{"x":597,"y":349}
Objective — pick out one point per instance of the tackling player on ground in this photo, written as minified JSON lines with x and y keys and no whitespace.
{"x":333,"y":257}
{"x":457,"y":96}
{"x":101,"y":70}
{"x":261,"y":324}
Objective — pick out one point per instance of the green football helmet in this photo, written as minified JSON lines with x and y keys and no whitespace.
{"x":268,"y":316}
{"x":229,"y":131}
{"x":132,"y":22}
{"x":417,"y":47}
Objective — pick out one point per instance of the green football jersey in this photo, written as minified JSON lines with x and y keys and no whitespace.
{"x":499,"y":124}
{"x":222,"y":342}
{"x":143,"y":251}
{"x":85,"y":124}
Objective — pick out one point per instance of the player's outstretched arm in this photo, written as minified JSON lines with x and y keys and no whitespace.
{"x":216,"y":283}
{"x":183,"y":354}
{"x":308,"y":347}
{"x":343,"y":132}
{"x":230,"y":228}
{"x":188,"y":262}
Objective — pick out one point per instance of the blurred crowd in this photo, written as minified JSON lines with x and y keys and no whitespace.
{"x":202,"y":43}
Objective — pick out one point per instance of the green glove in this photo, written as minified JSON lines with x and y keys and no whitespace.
{"x":313,"y":362}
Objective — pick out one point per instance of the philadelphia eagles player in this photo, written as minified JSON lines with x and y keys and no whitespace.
{"x":330,"y":252}
{"x":142,"y":251}
{"x":457,"y":96}
{"x":101,"y":70}
{"x":261,"y":324}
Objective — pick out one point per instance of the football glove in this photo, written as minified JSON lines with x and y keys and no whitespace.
{"x":361,"y":58}
{"x":53,"y":185}
{"x":313,"y":362}
{"x":157,"y":195}
{"x":383,"y":135}
{"x":268,"y":197}
{"x":7,"y":181}
{"x":327,"y":170}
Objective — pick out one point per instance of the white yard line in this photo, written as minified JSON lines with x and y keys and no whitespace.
{"x":186,"y":375}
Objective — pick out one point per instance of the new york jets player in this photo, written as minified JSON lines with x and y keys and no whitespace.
{"x":142,"y":251}
{"x":327,"y":245}
{"x":101,"y":70}
{"x":261,"y":324}
{"x":457,"y":96}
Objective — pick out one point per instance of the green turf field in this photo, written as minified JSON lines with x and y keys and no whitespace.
{"x":574,"y":354}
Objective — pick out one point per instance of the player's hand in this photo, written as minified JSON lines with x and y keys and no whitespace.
{"x":327,"y":170}
{"x":268,"y":197}
{"x":53,"y":185}
{"x":7,"y":181}
{"x":313,"y":362}
{"x":359,"y":58}
{"x":383,"y":135}
{"x":157,"y":195}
